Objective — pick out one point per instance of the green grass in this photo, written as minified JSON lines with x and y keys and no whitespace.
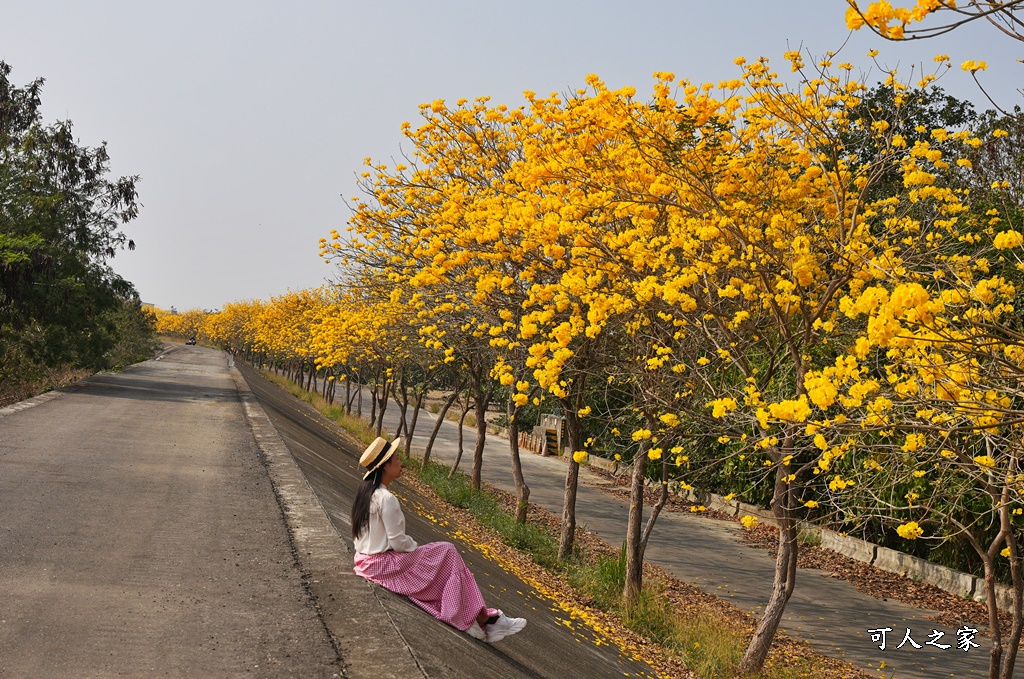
{"x":350,"y":423}
{"x":705,"y":643}
{"x":809,"y":537}
{"x":457,"y":490}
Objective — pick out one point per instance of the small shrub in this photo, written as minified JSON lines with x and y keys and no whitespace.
{"x":809,"y":537}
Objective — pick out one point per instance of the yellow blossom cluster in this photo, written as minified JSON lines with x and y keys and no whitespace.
{"x":909,"y":530}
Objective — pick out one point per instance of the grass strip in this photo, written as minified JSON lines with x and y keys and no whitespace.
{"x":705,"y":642}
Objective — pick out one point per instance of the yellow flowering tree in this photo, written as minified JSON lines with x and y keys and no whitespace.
{"x":185,"y":324}
{"x":928,"y":402}
{"x":230,"y":327}
{"x":344,"y":338}
{"x":710,"y":251}
{"x":435,"y":228}
{"x":908,"y":23}
{"x":750,"y":220}
{"x":933,"y":18}
{"x":945,"y":427}
{"x":281,"y":329}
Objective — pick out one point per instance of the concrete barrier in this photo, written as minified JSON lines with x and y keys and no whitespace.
{"x":918,"y":569}
{"x":854,"y":548}
{"x":610,"y":466}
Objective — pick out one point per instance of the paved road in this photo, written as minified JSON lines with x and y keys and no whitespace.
{"x":826,"y":612}
{"x":140,"y":535}
{"x":552,"y":645}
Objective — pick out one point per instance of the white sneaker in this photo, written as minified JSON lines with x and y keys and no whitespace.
{"x":503,"y":627}
{"x":476,"y":631}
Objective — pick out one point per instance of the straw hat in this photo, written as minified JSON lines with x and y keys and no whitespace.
{"x":377,"y":453}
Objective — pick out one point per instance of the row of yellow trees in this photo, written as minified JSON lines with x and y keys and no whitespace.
{"x":778,"y":279}
{"x":738,"y":261}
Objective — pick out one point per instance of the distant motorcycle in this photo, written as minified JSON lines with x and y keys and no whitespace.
{"x":191,"y":341}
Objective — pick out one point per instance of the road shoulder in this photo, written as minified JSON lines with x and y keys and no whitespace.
{"x":363,"y":632}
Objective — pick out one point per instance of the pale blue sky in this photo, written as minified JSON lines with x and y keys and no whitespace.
{"x":248,"y":121}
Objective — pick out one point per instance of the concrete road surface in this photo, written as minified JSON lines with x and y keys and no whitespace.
{"x":140,"y":535}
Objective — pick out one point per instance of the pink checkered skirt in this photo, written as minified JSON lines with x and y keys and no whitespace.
{"x":433,"y":576}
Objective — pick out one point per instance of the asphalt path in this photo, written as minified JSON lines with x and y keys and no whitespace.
{"x":140,"y":535}
{"x":554,"y":644}
{"x":828,"y":613}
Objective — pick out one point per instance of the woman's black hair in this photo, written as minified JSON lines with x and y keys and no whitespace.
{"x":361,"y":505}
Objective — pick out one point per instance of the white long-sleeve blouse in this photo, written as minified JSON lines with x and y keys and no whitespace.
{"x":386,"y":529}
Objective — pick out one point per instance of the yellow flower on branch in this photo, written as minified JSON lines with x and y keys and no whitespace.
{"x":1008,"y":239}
{"x":670,"y":419}
{"x":721,"y":407}
{"x":909,"y":530}
{"x":791,"y":410}
{"x":837,"y":484}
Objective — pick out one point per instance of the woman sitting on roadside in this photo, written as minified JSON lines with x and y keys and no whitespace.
{"x":433,"y":575}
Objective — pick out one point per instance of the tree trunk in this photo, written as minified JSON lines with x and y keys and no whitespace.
{"x":656,"y":509}
{"x":462,"y":419}
{"x":634,"y":541}
{"x":402,"y":396}
{"x":415,"y":416}
{"x":482,"y":400}
{"x":522,"y":490}
{"x":348,"y":393}
{"x":1018,"y":611}
{"x":382,"y":405}
{"x":567,"y":539}
{"x":1001,"y":501}
{"x":359,"y":396}
{"x":373,"y":405}
{"x":1016,"y":628}
{"x":995,"y":660}
{"x":785,"y":575}
{"x":437,"y":425}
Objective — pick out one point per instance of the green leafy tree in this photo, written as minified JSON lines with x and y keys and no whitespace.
{"x":60,"y":222}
